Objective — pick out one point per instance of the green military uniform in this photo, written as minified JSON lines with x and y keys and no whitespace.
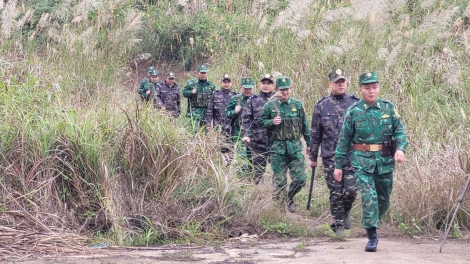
{"x":238,"y":99}
{"x":286,"y":149}
{"x":236,"y":122}
{"x":198,"y":103}
{"x":375,"y":126}
{"x":146,"y":85}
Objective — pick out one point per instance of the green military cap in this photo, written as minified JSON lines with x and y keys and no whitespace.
{"x":151,"y":69}
{"x":283,"y":82}
{"x":170,"y":75}
{"x":203,"y":68}
{"x":154,"y":73}
{"x":226,"y":77}
{"x":247,"y":82}
{"x":267,"y":77}
{"x":368,"y":77}
{"x":336,"y":75}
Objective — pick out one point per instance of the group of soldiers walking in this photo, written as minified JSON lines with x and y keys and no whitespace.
{"x":360,"y":139}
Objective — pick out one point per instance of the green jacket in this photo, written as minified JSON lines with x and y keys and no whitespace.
{"x":374,"y":124}
{"x":198,"y":103}
{"x":233,"y":118}
{"x":294,"y":125}
{"x":146,"y":85}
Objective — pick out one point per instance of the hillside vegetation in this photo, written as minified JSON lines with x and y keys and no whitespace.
{"x":79,"y":153}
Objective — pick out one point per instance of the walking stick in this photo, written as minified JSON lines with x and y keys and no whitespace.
{"x":459,"y":201}
{"x":310,"y":190}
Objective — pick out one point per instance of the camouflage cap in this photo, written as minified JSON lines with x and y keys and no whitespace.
{"x":247,"y":82}
{"x":150,"y":69}
{"x":283,"y":82}
{"x":336,"y":75}
{"x":226,"y":77}
{"x":267,"y":77}
{"x":368,"y":77}
{"x":170,"y":75}
{"x":203,"y":68}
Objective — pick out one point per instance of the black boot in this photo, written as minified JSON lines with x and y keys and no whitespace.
{"x":373,"y":239}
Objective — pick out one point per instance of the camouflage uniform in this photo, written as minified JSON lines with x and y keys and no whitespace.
{"x":286,"y":148}
{"x":233,"y":118}
{"x":169,"y":97}
{"x":258,"y":148}
{"x":327,"y":120}
{"x":376,"y":124}
{"x":216,"y":110}
{"x":147,"y":85}
{"x":198,"y":103}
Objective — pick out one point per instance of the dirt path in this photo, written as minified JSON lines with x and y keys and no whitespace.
{"x":323,"y":250}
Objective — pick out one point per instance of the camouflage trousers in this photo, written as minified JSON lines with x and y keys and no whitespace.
{"x":257,"y":159}
{"x":375,"y":191}
{"x":294,"y":161}
{"x":342,"y":194}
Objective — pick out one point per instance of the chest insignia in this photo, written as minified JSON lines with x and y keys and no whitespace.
{"x":294,"y":109}
{"x":385,"y":116}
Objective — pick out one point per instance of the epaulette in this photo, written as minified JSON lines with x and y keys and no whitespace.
{"x":385,"y":101}
{"x":190,"y":82}
{"x":354,"y":105}
{"x":322,"y":99}
{"x":354,"y":97}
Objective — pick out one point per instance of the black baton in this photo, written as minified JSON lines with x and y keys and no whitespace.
{"x":310,"y":190}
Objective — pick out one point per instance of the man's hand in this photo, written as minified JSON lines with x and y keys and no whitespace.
{"x":399,"y":156}
{"x":246,"y":140}
{"x":208,"y":128}
{"x":194,"y":91}
{"x":308,"y":151}
{"x":313,"y":163}
{"x":338,"y":175}
{"x":163,"y":108}
{"x":277,"y":120}
{"x":237,"y":109}
{"x":147,"y":92}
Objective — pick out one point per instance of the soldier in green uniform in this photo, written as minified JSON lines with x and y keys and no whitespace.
{"x":146,"y":88}
{"x":285,"y":118}
{"x":378,"y":136}
{"x":253,"y":134}
{"x":234,"y":108}
{"x":233,"y":112}
{"x":198,"y":92}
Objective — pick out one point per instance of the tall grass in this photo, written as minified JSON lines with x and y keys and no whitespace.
{"x":79,"y":152}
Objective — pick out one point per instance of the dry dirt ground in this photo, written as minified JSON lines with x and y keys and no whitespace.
{"x":324,"y":250}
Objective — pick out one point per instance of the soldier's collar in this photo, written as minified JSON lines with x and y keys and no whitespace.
{"x":377,"y":104}
{"x":338,"y":96}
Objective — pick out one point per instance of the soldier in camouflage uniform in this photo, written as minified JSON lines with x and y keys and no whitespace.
{"x":378,"y":136}
{"x":233,"y":111}
{"x":198,"y":93}
{"x":286,"y":119}
{"x":327,"y":120}
{"x":219,"y":100}
{"x":146,"y":88}
{"x":253,"y":134}
{"x":167,"y":96}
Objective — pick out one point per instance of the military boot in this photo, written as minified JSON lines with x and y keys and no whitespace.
{"x":339,"y":230}
{"x":347,"y":223}
{"x":291,"y":205}
{"x":373,"y":239}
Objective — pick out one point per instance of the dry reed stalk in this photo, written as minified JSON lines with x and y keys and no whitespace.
{"x":16,"y":242}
